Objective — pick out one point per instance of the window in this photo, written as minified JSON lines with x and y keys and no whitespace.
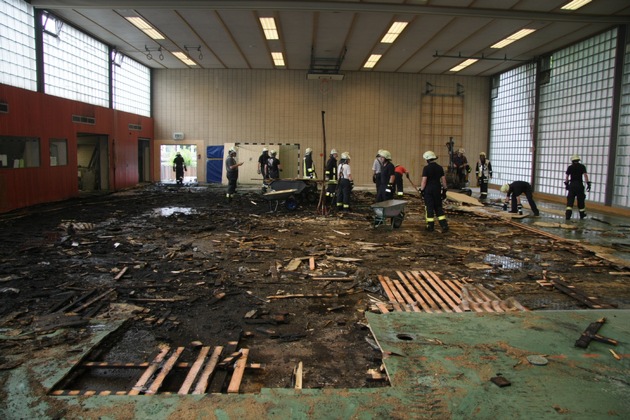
{"x":58,"y":152}
{"x":19,"y":152}
{"x":132,"y":86}
{"x":17,"y":45}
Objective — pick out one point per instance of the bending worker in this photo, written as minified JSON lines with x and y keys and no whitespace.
{"x":575,"y":186}
{"x":517,"y":188}
{"x":433,"y":190}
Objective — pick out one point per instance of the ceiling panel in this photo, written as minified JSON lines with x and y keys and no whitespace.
{"x":228,"y":33}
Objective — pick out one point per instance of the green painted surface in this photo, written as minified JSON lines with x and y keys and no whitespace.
{"x":456,"y":355}
{"x":440,"y":366}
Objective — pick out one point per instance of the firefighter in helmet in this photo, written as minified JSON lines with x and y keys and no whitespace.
{"x":433,"y":189}
{"x":483,"y":171}
{"x":573,"y":181}
{"x":331,"y":174}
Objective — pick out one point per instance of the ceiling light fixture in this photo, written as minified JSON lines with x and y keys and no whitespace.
{"x":393,"y":32}
{"x":371,"y":62}
{"x":278,"y":59}
{"x":145,"y":27}
{"x":464,"y":64}
{"x":184,"y":58}
{"x":575,"y":4}
{"x":269,"y":27}
{"x":514,"y":37}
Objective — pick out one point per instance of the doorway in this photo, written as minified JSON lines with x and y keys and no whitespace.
{"x":93,"y":162}
{"x":167,"y":155}
{"x":144,"y":159}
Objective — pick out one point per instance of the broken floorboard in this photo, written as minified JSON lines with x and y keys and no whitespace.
{"x":424,"y":291}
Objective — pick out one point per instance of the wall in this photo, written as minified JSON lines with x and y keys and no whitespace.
{"x":364,"y":112}
{"x":43,"y":116}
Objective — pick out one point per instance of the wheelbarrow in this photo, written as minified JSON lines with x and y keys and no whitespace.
{"x":306,"y":189}
{"x":389,"y":209}
{"x":275,"y":197}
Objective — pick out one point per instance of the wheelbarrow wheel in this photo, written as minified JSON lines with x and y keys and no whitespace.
{"x":397,"y":220}
{"x":291,"y":203}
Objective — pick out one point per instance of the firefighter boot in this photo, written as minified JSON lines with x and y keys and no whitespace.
{"x":430,"y":226}
{"x":582,"y":214}
{"x":444,"y":225}
{"x":568,"y":214}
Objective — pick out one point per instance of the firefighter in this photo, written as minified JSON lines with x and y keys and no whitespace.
{"x":273,"y":165}
{"x":262,"y":163}
{"x":179,"y":166}
{"x":345,"y":181}
{"x":575,"y":186}
{"x":331,"y":175}
{"x":462,"y":169}
{"x":514,"y":190}
{"x":376,"y":171}
{"x":308,"y":164}
{"x":433,"y":189}
{"x":388,"y":177}
{"x":483,"y":171}
{"x":399,"y":171}
{"x":231,"y":172}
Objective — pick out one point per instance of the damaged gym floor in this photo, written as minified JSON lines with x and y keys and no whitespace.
{"x":169,"y":302}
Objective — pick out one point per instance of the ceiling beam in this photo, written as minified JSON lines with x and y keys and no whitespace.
{"x":329,"y":6}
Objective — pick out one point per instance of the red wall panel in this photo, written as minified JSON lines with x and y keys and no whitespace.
{"x":33,"y":114}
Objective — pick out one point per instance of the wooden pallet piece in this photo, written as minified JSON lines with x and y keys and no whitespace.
{"x":424,"y":300}
{"x":389,"y":293}
{"x":150,"y":370}
{"x":410,"y":302}
{"x":446,"y":286}
{"x":239,"y":370}
{"x":382,"y":307}
{"x":211,"y":365}
{"x":425,"y":291}
{"x":467,"y":301}
{"x":428,"y":286}
{"x":407,"y":280}
{"x":444,"y":295}
{"x":194,"y":371}
{"x":159,"y":379}
{"x":397,"y":296}
{"x":590,"y":301}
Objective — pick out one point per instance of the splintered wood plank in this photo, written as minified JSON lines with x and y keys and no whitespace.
{"x":293,"y":264}
{"x":311,"y":263}
{"x":446,"y":297}
{"x":202,"y":383}
{"x":159,"y":379}
{"x":382,"y":307}
{"x":297,"y":373}
{"x":389,"y":293}
{"x":421,"y":286}
{"x":395,"y":292}
{"x":426,"y":283}
{"x":237,"y":375}
{"x":407,"y":298}
{"x":578,"y":295}
{"x":194,"y":370}
{"x":155,"y":364}
{"x":414,"y":292}
{"x":496,"y":305}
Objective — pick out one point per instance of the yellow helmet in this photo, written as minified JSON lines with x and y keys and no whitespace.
{"x":482,"y":154}
{"x":575,"y":157}
{"x":505,"y":188}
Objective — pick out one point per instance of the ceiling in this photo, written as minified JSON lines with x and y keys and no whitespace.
{"x":313,"y":34}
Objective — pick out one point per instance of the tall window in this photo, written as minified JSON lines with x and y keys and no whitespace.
{"x":621,"y":190}
{"x":76,"y":65}
{"x":575,"y":114}
{"x":17,"y":45}
{"x":512,"y":125}
{"x":132,"y":86}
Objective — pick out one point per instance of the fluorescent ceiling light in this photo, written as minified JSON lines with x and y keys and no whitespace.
{"x":371,"y":62}
{"x":278,"y":59}
{"x":395,"y":30}
{"x":514,"y":37}
{"x":575,"y":4}
{"x":269,"y":27}
{"x":144,"y":26}
{"x":184,"y":58}
{"x":464,"y":64}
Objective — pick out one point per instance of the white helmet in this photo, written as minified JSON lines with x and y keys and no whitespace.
{"x":385,"y":154}
{"x":482,"y":154}
{"x":265,"y":149}
{"x":462,"y":151}
{"x":345,"y":156}
{"x":429,"y":155}
{"x":272,"y":153}
{"x":575,"y":157}
{"x":378,"y":154}
{"x":505,"y":188}
{"x":333,"y":152}
{"x":232,"y":150}
{"x":308,"y":151}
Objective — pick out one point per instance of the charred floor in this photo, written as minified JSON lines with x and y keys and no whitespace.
{"x":282,"y":298}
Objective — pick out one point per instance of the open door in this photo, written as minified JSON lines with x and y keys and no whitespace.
{"x":93,"y":162}
{"x":144,"y":160}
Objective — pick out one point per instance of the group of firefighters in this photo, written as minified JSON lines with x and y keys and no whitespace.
{"x":433,"y":186}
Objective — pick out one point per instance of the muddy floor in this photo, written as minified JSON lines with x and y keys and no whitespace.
{"x":290,"y":286}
